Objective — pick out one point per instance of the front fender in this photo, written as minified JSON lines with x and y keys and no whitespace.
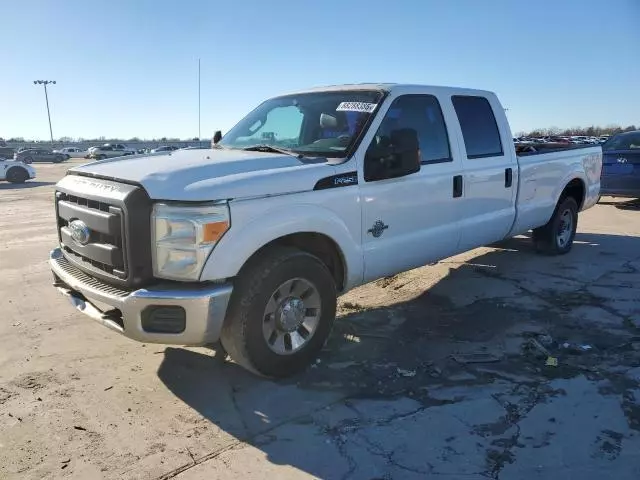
{"x":244,"y":239}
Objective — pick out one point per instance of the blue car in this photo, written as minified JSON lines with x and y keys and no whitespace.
{"x":621,"y":166}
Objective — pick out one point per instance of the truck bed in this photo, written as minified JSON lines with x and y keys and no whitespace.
{"x":523,"y":150}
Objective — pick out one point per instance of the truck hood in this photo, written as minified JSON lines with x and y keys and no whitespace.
{"x":216,"y":174}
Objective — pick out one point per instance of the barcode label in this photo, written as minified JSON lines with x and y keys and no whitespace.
{"x":356,"y":107}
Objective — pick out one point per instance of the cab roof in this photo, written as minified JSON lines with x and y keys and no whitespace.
{"x":397,"y":88}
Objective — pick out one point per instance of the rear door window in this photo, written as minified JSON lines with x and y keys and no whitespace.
{"x":479,"y":126}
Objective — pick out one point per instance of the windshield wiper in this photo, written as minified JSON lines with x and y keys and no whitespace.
{"x":264,"y":147}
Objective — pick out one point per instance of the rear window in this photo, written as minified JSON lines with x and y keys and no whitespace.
{"x":479,"y":127}
{"x":623,"y":141}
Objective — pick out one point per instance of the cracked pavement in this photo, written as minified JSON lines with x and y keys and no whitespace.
{"x":435,"y":373}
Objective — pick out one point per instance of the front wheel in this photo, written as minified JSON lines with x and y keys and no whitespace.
{"x":58,"y":159}
{"x":281,"y":313}
{"x":556,"y":237}
{"x":17,"y":175}
{"x":27,"y":160}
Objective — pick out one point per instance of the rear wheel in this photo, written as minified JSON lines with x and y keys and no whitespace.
{"x":17,"y":175}
{"x":27,"y":160}
{"x":281,"y":313}
{"x":556,"y":237}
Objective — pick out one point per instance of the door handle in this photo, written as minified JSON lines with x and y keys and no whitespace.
{"x":508,"y":178}
{"x":457,"y":186}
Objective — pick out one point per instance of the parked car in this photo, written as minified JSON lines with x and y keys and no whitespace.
{"x":307,"y":197}
{"x":6,"y":152}
{"x":31,"y":155}
{"x":621,"y":165}
{"x":110,"y":151}
{"x":165,"y":148}
{"x":72,"y":152}
{"x":14,"y":171}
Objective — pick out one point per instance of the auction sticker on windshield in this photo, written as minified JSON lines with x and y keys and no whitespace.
{"x":356,"y":107}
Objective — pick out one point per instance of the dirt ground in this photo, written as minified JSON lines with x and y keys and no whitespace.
{"x":440,"y":372}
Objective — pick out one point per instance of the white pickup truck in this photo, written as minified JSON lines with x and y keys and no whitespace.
{"x":307,"y":197}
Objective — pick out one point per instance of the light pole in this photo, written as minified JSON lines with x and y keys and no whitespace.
{"x":199,"y":138}
{"x":46,"y":98}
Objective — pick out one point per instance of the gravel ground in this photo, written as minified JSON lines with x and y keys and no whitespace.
{"x":440,"y":372}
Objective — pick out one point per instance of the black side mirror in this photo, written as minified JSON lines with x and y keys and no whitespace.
{"x":395,"y":156}
{"x":217,"y":136}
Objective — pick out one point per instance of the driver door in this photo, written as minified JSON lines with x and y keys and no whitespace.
{"x":412,"y":220}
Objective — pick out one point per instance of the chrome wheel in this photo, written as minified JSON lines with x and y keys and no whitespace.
{"x":291,"y":316}
{"x":565,"y":228}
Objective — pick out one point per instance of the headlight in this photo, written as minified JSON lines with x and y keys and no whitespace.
{"x":183,"y":237}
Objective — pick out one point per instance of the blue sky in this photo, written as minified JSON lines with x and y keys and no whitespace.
{"x":129,"y":68}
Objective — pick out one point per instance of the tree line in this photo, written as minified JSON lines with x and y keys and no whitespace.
{"x":592,"y":131}
{"x":101,"y":140}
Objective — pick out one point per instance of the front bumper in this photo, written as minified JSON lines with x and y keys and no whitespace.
{"x":205,"y":305}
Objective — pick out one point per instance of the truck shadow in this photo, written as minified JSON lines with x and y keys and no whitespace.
{"x":633,"y":204}
{"x":22,"y":186}
{"x":486,"y":307}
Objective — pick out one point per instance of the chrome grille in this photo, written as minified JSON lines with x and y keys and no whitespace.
{"x":116,"y":236}
{"x":104,"y":250}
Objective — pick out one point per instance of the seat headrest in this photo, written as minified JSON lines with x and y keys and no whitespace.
{"x":328,"y":121}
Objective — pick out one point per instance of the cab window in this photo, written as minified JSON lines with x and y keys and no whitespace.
{"x":416,"y":119}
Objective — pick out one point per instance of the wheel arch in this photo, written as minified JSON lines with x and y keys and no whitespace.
{"x":575,"y":188}
{"x":314,"y":243}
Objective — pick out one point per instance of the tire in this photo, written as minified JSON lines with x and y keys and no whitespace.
{"x":292,"y":284}
{"x":58,"y":159}
{"x":27,"y":160}
{"x":17,"y":175}
{"x":556,"y":237}
{"x":101,"y":157}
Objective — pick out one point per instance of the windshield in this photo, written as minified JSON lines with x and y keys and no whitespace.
{"x":623,"y":141}
{"x":323,"y":124}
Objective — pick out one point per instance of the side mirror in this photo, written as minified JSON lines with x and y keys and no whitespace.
{"x":217,"y":136}
{"x":395,"y":156}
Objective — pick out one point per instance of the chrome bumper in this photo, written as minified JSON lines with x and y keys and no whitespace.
{"x":205,"y":305}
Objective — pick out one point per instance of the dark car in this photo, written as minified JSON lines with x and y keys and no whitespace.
{"x":6,"y":152}
{"x":31,"y":155}
{"x":165,"y":148}
{"x":621,"y":165}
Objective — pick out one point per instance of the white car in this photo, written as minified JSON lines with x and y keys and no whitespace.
{"x":309,"y":196}
{"x":72,"y":152}
{"x":110,"y":151}
{"x":15,"y":171}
